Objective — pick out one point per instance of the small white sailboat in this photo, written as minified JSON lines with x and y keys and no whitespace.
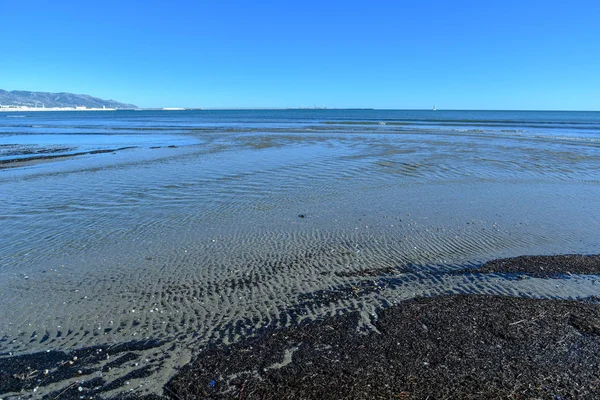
{"x":434,"y":108}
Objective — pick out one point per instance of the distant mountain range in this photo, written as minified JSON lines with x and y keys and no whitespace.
{"x":45,"y":99}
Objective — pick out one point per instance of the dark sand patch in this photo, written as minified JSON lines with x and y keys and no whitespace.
{"x":472,"y":346}
{"x":545,"y":266}
{"x":36,"y":159}
{"x":24,"y":373}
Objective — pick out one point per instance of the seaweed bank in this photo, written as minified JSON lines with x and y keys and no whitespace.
{"x":460,"y":346}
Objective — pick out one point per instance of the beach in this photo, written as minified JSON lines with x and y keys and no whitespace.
{"x":462,"y":346}
{"x":151,"y":253}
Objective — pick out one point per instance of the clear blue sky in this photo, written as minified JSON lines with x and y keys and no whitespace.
{"x":382,"y":54}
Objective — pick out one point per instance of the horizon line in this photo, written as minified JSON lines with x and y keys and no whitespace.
{"x":351,"y":108}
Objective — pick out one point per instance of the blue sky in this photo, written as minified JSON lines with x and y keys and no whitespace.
{"x":396,"y":54}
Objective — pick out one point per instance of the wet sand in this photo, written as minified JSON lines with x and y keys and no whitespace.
{"x":461,"y":346}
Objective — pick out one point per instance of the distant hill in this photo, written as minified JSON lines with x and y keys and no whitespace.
{"x":44,"y":99}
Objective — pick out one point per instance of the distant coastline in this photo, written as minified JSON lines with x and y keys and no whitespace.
{"x":28,"y":109}
{"x":23,"y":100}
{"x":46,"y":109}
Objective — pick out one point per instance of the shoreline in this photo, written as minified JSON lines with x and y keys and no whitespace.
{"x":463,"y":346}
{"x":459,"y":346}
{"x":470,"y":346}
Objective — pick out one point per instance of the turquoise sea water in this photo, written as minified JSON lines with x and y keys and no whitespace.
{"x":202,"y":226}
{"x":25,"y":135}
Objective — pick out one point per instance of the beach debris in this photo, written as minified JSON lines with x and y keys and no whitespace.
{"x":212,"y":383}
{"x":301,"y":216}
{"x":517,"y":322}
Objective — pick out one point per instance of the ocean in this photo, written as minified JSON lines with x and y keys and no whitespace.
{"x":161,"y":232}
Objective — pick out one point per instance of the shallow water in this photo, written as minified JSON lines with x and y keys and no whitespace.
{"x":214,"y":224}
